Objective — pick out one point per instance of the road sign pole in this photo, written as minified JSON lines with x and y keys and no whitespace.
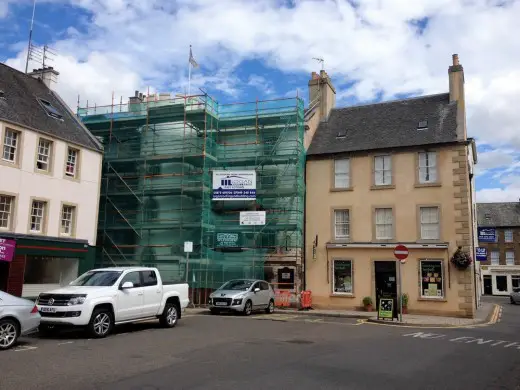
{"x":400,"y":292}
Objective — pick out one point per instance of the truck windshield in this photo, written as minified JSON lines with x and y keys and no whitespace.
{"x":238,"y":285}
{"x":97,"y":278}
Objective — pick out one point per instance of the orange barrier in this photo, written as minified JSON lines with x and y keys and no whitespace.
{"x":306,"y":299}
{"x":282,"y":298}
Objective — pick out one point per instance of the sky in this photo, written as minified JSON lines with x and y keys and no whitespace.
{"x":373,"y":50}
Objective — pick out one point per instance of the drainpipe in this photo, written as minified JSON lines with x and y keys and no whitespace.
{"x":304,"y":275}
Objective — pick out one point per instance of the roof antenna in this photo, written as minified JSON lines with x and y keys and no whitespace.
{"x":320,"y":60}
{"x":30,"y":38}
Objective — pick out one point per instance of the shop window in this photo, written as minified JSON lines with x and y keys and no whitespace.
{"x":432,"y":274}
{"x":50,"y":270}
{"x":515,"y":280}
{"x":501,"y":282}
{"x":342,"y":277}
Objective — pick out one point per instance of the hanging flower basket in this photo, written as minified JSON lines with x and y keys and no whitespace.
{"x":460,"y":259}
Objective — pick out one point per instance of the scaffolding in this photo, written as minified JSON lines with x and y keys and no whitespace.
{"x":156,"y":192}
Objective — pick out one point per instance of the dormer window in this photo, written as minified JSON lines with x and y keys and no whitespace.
{"x":50,"y":109}
{"x":423,"y":125}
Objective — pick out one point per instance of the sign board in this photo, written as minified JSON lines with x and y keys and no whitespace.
{"x":481,"y":254}
{"x":234,"y":185}
{"x":248,"y":218}
{"x":386,"y":308}
{"x":401,"y":253}
{"x":487,"y":235}
{"x":7,"y":248}
{"x":228,"y":240}
{"x":188,"y":246}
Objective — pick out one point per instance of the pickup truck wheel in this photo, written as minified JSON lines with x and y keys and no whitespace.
{"x":8,"y":333}
{"x":248,"y":308}
{"x":101,"y":323}
{"x":170,"y":315}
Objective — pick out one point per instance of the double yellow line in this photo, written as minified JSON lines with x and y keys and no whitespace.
{"x":495,"y":315}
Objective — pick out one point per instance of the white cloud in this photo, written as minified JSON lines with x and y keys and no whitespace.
{"x":130,"y":44}
{"x":493,"y":159}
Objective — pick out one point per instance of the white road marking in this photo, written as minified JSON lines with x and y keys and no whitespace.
{"x":466,"y":340}
{"x":24,"y":348}
{"x":66,"y":342}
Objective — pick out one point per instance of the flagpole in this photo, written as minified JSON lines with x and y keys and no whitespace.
{"x":189,"y":73}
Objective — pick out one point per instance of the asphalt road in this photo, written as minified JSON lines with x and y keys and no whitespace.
{"x":285,"y":352}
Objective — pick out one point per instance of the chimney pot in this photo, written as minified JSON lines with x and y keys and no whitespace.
{"x":455,"y":59}
{"x":136,"y":94}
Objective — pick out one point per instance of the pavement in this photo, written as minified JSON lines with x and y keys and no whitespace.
{"x":487,"y":313}
{"x":285,"y":351}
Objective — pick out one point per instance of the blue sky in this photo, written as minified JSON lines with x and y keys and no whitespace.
{"x":373,"y":49}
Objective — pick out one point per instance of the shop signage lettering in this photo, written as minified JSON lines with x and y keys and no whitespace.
{"x":481,"y":254}
{"x":228,"y":240}
{"x":466,"y":340}
{"x":487,"y":235}
{"x":234,"y":185}
{"x":7,"y":248}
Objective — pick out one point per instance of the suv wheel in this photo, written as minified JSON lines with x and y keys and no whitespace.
{"x":101,"y":323}
{"x":270,"y":307}
{"x":170,"y":315}
{"x":248,"y":308}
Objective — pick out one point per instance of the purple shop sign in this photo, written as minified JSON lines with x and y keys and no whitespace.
{"x":7,"y":248}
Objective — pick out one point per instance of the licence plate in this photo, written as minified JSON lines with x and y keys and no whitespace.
{"x":221,"y":303}
{"x":48,"y":309}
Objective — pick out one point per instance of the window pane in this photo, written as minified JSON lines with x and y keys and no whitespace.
{"x":70,"y":169}
{"x":342,"y":276}
{"x":429,"y":217}
{"x":37,"y":213}
{"x":341,"y":223}
{"x":67,"y":219}
{"x":510,"y":258}
{"x":515,"y":280}
{"x":508,"y":236}
{"x":44,"y":149}
{"x":431,"y":278}
{"x":501,"y":282}
{"x":495,"y":257}
{"x":6,"y":210}
{"x":10,"y":145}
{"x":427,"y":167}
{"x":384,"y":224}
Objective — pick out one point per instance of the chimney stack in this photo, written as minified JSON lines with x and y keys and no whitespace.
{"x":456,"y":81}
{"x":137,"y":98}
{"x":47,"y":75}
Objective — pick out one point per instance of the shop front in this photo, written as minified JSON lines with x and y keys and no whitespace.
{"x":30,"y":265}
{"x":500,"y":279}
{"x":348,"y":276}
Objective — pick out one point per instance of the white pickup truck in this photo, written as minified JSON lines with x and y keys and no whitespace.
{"x":102,"y":298}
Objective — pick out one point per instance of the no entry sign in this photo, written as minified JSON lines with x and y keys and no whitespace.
{"x":401,"y":252}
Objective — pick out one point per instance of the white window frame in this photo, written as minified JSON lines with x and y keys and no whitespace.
{"x":72,"y":160}
{"x":427,"y":167}
{"x":342,"y":173}
{"x":35,"y":214}
{"x":10,"y":212}
{"x":508,"y":235}
{"x":422,"y":295}
{"x":12,"y":146}
{"x":383,"y":173}
{"x":425,"y":222}
{"x":71,"y":221}
{"x":385,"y":223}
{"x":510,"y":257}
{"x":494,"y":260}
{"x":338,"y":224}
{"x":348,"y":293}
{"x":44,"y":154}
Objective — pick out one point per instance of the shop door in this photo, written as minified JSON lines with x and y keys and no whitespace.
{"x":386,"y":282}
{"x":488,"y":288}
{"x":4,"y":275}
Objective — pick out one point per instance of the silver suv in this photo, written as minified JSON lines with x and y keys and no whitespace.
{"x":244,"y":296}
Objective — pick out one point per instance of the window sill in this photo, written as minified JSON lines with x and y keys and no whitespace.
{"x":42,"y":172}
{"x":424,"y":299}
{"x":341,"y":189}
{"x":383,"y":187}
{"x":70,"y":178}
{"x":8,"y":163}
{"x":423,"y":185}
{"x":340,"y":295}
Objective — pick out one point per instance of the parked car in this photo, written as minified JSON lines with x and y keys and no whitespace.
{"x":102,"y":298}
{"x":514,"y":297}
{"x":18,"y":317}
{"x":244,"y":296}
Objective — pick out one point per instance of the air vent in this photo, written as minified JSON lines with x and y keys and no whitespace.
{"x":423,"y":125}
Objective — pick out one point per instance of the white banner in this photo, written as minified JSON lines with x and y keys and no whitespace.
{"x":234,"y":185}
{"x":252,"y":218}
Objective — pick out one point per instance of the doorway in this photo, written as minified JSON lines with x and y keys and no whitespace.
{"x":4,"y":275}
{"x":386,"y":282}
{"x":488,"y":287}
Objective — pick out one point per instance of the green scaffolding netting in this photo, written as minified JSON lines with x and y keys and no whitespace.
{"x":156,"y":188}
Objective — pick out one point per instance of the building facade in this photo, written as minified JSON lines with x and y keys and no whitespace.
{"x":499,"y":247}
{"x":50,"y":170}
{"x":382,"y":174}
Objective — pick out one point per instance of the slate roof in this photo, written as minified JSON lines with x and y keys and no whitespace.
{"x":505,"y":214}
{"x":21,"y":107}
{"x":387,"y":125}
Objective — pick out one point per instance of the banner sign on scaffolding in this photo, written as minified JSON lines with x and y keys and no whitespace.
{"x":228,"y":240}
{"x":252,"y":218}
{"x":234,"y":185}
